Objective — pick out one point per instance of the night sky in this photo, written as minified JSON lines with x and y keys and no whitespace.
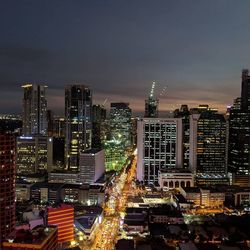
{"x":196,"y":48}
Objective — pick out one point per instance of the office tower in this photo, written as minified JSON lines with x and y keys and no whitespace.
{"x":208,"y":147}
{"x":7,"y":185}
{"x":63,"y":218}
{"x":99,"y":116}
{"x":34,"y":110}
{"x":59,"y":127}
{"x":78,"y":105}
{"x":91,"y":166}
{"x":50,"y":121}
{"x":245,"y":91}
{"x":34,"y":154}
{"x":184,"y":113}
{"x":159,"y":145}
{"x":120,"y":123}
{"x":239,"y":135}
{"x":151,"y":104}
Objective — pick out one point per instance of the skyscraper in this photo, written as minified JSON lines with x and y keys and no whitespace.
{"x":120,"y":123}
{"x":78,"y":119}
{"x":239,"y":135}
{"x":151,"y":104}
{"x":184,"y":113}
{"x":99,"y":116}
{"x":245,"y":91}
{"x":34,"y":110}
{"x":7,"y":185}
{"x":159,"y":145}
{"x":208,"y":146}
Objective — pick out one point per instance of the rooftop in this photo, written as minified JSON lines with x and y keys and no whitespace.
{"x":92,"y":151}
{"x":35,"y":236}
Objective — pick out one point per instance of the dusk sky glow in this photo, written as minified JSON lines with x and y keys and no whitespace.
{"x":195,"y":48}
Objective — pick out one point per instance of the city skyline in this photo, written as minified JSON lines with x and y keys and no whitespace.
{"x":118,"y":48}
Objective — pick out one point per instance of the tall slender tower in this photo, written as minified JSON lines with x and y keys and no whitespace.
{"x":7,"y":185}
{"x":245,"y":91}
{"x":239,"y":135}
{"x":151,"y":104}
{"x":78,"y":119}
{"x":34,"y":110}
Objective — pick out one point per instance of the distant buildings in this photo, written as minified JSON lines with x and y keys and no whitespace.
{"x":34,"y":154}
{"x":34,"y":110}
{"x":99,"y":117}
{"x":151,"y":104}
{"x":120,"y":123}
{"x":159,"y":145}
{"x":7,"y":185}
{"x":78,"y":118}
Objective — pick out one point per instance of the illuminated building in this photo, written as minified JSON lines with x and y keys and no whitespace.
{"x":184,"y":113}
{"x":175,"y":178}
{"x":245,"y":91}
{"x":99,"y":116}
{"x":91,"y":165}
{"x":40,"y":238}
{"x":63,"y":218}
{"x":120,"y":123}
{"x":208,"y":197}
{"x":159,"y":144}
{"x":34,"y":154}
{"x":34,"y":110}
{"x":151,"y":104}
{"x":208,"y":146}
{"x":7,"y":185}
{"x":78,"y":118}
{"x":239,"y":135}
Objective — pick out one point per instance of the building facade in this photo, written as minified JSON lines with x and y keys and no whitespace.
{"x":151,"y":104}
{"x":239,"y":135}
{"x":208,"y":145}
{"x":159,"y":145}
{"x":63,"y":218}
{"x":34,"y":154}
{"x":34,"y":110}
{"x":91,"y":165}
{"x":78,"y":119}
{"x":7,"y":185}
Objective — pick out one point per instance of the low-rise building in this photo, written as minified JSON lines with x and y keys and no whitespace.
{"x":175,"y":178}
{"x":39,"y":238}
{"x":208,"y":197}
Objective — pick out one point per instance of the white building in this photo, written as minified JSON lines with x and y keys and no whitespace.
{"x":175,"y":178}
{"x":159,"y":144}
{"x":91,"y":165}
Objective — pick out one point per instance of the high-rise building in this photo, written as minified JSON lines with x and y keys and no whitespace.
{"x":245,"y":91}
{"x":99,"y":116}
{"x":239,"y":135}
{"x":34,"y":110}
{"x":34,"y":154}
{"x":91,"y":166}
{"x":184,"y":113}
{"x":208,"y":146}
{"x":159,"y":145}
{"x":120,"y":123}
{"x":7,"y":185}
{"x":151,"y":104}
{"x":78,"y":118}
